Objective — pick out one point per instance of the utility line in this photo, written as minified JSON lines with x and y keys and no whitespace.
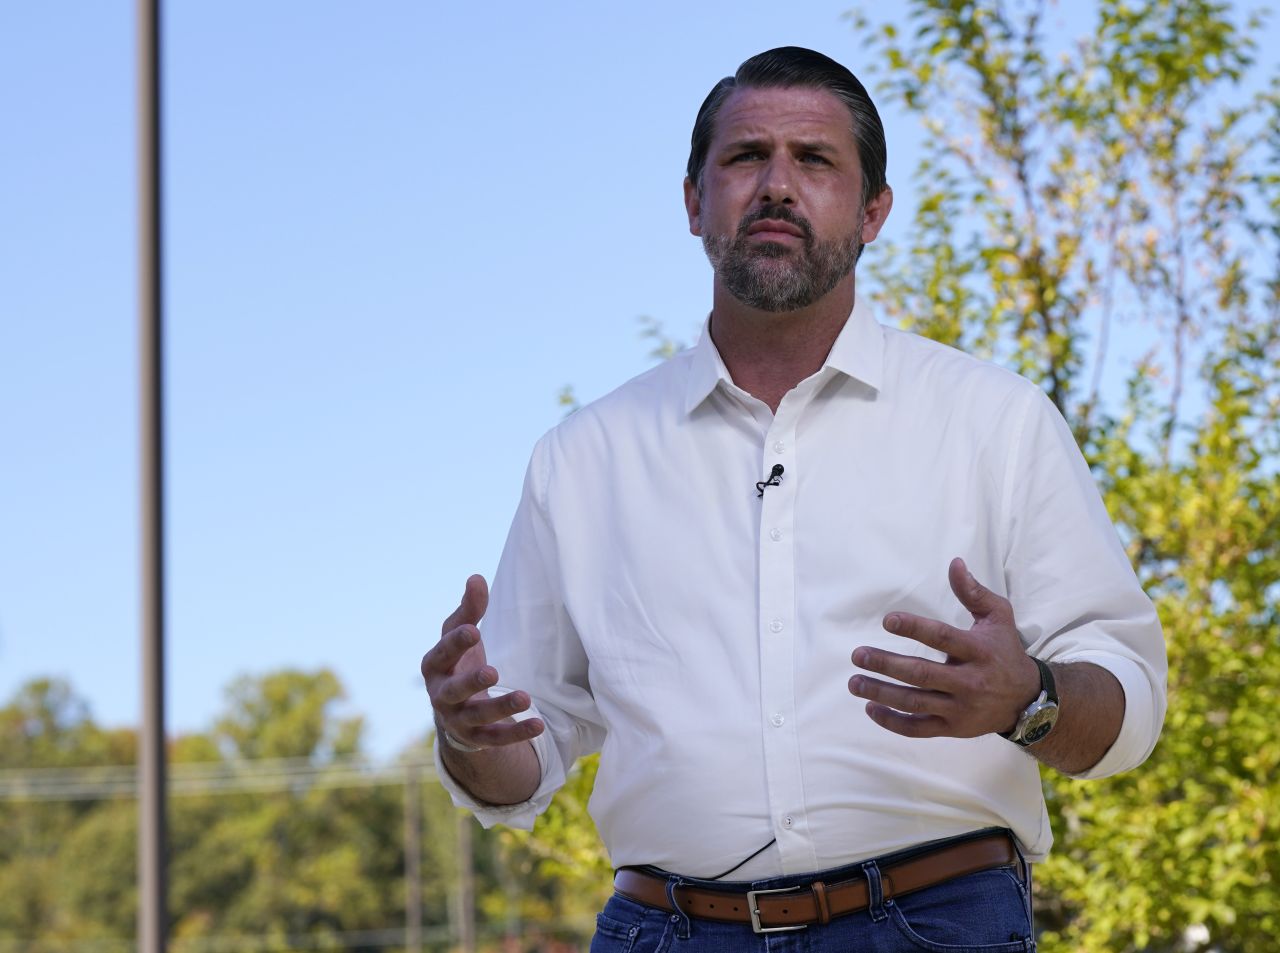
{"x":195,"y":778}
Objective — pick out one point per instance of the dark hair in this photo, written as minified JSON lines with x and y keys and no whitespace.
{"x":789,"y":66}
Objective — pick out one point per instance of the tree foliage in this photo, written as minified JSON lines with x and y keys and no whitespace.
{"x":1127,"y":178}
{"x":321,"y":860}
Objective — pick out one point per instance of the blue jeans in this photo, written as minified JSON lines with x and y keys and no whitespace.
{"x":986,"y":912}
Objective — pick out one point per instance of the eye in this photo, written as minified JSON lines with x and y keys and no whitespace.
{"x":813,"y":158}
{"x":747,"y":155}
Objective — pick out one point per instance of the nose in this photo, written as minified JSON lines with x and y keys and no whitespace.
{"x":775,"y":183}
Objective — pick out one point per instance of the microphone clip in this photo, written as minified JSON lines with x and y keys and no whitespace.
{"x":775,"y":479}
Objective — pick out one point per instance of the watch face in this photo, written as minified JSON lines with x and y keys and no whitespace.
{"x":1039,"y":724}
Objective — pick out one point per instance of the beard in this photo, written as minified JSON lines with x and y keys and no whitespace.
{"x":773,"y":277}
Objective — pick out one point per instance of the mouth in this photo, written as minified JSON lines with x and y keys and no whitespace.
{"x":775,"y":230}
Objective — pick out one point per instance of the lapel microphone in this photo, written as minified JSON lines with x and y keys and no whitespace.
{"x":775,"y":479}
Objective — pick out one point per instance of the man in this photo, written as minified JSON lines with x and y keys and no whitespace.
{"x":711,"y":565}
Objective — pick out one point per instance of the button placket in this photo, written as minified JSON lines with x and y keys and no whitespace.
{"x":775,"y":621}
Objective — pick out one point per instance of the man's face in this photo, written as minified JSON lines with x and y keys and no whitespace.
{"x":780,"y":211}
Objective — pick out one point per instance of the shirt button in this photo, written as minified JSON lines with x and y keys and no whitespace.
{"x":779,"y":447}
{"x":775,"y":534}
{"x":777,"y":720}
{"x":775,"y":625}
{"x":787,"y":821}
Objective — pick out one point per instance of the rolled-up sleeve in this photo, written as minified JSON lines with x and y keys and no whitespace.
{"x":1073,"y":589}
{"x":530,"y":639}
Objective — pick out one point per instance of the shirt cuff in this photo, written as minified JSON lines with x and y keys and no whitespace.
{"x":523,"y":814}
{"x":1140,"y":728}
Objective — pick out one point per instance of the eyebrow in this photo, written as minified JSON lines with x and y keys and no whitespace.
{"x":741,"y":144}
{"x":807,"y":145}
{"x":815,"y":145}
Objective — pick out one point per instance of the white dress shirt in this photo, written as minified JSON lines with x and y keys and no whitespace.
{"x":657,"y":609}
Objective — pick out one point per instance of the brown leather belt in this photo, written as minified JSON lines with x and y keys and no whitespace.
{"x":793,"y":908}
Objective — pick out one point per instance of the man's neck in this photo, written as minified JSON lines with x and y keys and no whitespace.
{"x":768,"y":353}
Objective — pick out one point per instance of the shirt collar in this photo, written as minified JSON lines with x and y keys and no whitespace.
{"x":858,"y":352}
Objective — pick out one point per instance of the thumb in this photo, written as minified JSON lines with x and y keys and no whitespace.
{"x":475,"y":600}
{"x":977,"y":598}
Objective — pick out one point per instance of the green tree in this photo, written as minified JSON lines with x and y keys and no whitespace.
{"x":47,"y":725}
{"x":43,"y":897}
{"x":320,"y":859}
{"x":1128,"y":177}
{"x":316,"y":858}
{"x":562,"y":862}
{"x":286,"y":714}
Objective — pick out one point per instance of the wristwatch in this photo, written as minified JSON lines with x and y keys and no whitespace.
{"x":1038,"y":718}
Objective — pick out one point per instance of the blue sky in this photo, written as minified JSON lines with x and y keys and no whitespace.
{"x":395,"y":231}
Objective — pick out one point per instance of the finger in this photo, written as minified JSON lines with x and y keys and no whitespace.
{"x":504,"y":733}
{"x":444,"y":655}
{"x":475,"y":600}
{"x":937,"y":635}
{"x":477,"y":712}
{"x":495,"y":735}
{"x":459,"y":688}
{"x":911,"y":726}
{"x":902,"y":698}
{"x":977,"y":598}
{"x":912,"y":669}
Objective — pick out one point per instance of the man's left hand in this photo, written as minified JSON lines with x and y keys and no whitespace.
{"x":985,"y":683}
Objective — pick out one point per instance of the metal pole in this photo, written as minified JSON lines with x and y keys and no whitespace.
{"x":413,"y":860}
{"x":152,"y":913}
{"x":512,"y":926}
{"x":466,"y":895}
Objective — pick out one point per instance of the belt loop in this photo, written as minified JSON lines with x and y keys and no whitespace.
{"x":875,"y":895}
{"x":1024,"y":869}
{"x":820,"y":899}
{"x":1024,"y":866}
{"x":1030,"y":895}
{"x":673,"y":884}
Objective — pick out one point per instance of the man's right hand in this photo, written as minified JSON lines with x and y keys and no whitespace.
{"x":458,"y":679}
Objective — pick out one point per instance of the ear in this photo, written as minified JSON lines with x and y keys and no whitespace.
{"x":693,"y":205}
{"x":875,"y":213}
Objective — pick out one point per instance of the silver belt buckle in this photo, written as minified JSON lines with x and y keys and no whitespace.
{"x":755,"y":911}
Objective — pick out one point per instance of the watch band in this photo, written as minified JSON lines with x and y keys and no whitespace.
{"x":1044,"y":703}
{"x":1047,"y":684}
